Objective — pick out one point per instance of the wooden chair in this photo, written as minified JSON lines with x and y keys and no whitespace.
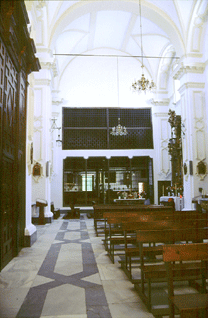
{"x":191,"y":305}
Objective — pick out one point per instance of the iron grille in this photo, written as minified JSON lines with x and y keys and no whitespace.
{"x":89,"y":128}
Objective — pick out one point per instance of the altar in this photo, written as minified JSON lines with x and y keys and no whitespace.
{"x":179,"y":202}
{"x":129,"y":201}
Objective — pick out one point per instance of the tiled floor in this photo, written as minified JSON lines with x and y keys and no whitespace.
{"x":67,"y":274}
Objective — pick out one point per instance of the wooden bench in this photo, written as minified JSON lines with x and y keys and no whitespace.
{"x":100,"y":209}
{"x":191,"y":305}
{"x":157,"y":273}
{"x":116,"y":231}
{"x":157,"y":224}
{"x":114,"y":235}
{"x":55,"y":211}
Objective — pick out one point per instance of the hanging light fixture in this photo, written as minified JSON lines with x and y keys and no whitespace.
{"x":143,"y":84}
{"x":118,"y":130}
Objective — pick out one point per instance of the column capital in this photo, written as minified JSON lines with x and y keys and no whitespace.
{"x":52,"y":66}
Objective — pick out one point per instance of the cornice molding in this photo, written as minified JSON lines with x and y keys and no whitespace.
{"x":191,"y":85}
{"x":42,"y":49}
{"x":42,"y":82}
{"x":183,"y":69}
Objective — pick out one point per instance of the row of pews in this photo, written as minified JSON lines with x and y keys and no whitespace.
{"x":159,"y":249}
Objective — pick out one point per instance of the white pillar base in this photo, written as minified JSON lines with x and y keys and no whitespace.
{"x":30,"y":235}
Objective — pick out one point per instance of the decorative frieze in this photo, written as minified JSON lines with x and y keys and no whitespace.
{"x":50,"y":66}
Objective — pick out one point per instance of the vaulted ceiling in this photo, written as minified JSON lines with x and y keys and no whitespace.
{"x":91,"y":27}
{"x":86,"y":26}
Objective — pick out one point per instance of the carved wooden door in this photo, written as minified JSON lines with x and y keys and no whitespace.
{"x":8,"y":166}
{"x":8,"y":222}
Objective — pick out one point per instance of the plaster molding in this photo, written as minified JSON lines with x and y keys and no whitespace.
{"x":55,"y":114}
{"x":191,"y":85}
{"x":198,"y":26}
{"x":39,"y":118}
{"x":165,"y":175}
{"x":57,"y":102}
{"x":162,"y":102}
{"x":41,"y":4}
{"x":194,"y":55}
{"x":183,"y":69}
{"x":43,"y":49}
{"x":161,"y":92}
{"x":160,"y":114}
{"x":43,"y":82}
{"x":52,"y":66}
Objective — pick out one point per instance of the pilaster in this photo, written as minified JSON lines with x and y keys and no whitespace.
{"x":161,"y":132}
{"x":41,"y":187}
{"x":193,"y":111}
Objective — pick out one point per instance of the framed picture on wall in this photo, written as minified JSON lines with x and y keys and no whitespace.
{"x":37,"y":169}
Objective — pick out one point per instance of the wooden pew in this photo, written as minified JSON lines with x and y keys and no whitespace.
{"x":115,"y":235}
{"x":100,"y":209}
{"x":157,"y":273}
{"x":191,"y":305}
{"x":155,"y":224}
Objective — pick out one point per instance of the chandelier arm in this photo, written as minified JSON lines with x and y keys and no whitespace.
{"x":142,"y":85}
{"x":117,"y":82}
{"x":140,"y":10}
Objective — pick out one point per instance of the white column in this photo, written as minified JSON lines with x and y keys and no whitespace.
{"x":41,"y":188}
{"x":161,"y":133}
{"x":194,"y":119}
{"x":30,"y":229}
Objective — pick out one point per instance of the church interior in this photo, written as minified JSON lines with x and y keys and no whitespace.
{"x":103,"y":158}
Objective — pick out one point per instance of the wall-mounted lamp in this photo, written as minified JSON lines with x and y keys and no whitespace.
{"x":54,"y":126}
{"x":59,"y":141}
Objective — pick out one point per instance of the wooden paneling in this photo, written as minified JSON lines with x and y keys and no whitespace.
{"x":17,"y":60}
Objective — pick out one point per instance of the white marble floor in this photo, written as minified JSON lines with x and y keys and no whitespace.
{"x":67,"y":274}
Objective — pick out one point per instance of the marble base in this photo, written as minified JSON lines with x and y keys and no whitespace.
{"x":29,"y":240}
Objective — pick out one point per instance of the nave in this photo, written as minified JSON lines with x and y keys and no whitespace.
{"x":67,"y":274}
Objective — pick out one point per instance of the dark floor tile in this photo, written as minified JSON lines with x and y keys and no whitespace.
{"x":95,"y":296}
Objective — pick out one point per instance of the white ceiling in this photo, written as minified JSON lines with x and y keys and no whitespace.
{"x":110,"y":27}
{"x":83,"y":27}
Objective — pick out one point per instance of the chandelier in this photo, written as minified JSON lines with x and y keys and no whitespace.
{"x":118,"y":130}
{"x":143,"y":84}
